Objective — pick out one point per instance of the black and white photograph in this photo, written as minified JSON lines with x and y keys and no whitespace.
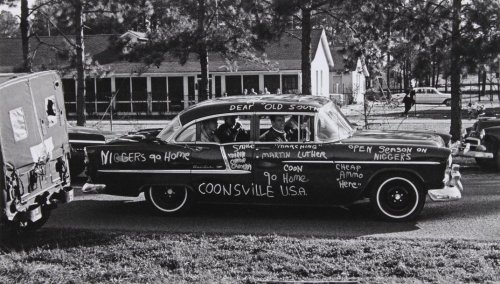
{"x":250,"y":141}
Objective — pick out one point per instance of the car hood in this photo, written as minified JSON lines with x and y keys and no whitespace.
{"x":396,"y":138}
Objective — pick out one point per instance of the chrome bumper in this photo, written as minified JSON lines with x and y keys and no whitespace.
{"x":478,"y":152}
{"x":452,"y":189}
{"x":91,"y":188}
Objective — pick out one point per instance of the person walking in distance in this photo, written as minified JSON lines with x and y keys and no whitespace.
{"x":409,"y":101}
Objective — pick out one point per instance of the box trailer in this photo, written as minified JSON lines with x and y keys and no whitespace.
{"x":34,"y":149}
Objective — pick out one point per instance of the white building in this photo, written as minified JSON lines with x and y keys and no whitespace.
{"x":171,"y":87}
{"x":349,"y":81}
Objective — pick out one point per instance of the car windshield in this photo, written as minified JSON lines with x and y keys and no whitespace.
{"x":170,"y":129}
{"x":333,"y":125}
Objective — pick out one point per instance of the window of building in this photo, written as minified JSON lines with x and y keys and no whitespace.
{"x":290,"y":84}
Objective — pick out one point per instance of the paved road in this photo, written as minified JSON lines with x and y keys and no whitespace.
{"x":476,"y":216}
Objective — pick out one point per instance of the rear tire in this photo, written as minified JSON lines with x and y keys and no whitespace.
{"x":169,"y":200}
{"x":397,"y":197}
{"x":447,"y":102}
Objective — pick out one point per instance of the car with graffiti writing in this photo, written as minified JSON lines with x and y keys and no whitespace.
{"x":482,"y":142}
{"x":286,"y":149}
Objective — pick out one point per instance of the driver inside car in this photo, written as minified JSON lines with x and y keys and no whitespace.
{"x":207,"y":133}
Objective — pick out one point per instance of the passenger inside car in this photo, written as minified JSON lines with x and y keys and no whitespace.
{"x":207,"y":131}
{"x":276,"y":133}
{"x":231,"y":131}
{"x":293,"y":129}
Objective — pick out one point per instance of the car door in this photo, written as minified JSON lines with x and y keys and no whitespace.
{"x":434,"y":96}
{"x":421,"y":96}
{"x":222,"y":170}
{"x":288,"y":171}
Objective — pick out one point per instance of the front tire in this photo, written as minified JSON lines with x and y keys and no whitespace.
{"x":397,"y":198}
{"x":169,"y":200}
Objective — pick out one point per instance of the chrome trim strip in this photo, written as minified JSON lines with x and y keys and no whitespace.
{"x":363,"y":162}
{"x":223,"y":172}
{"x":309,"y":162}
{"x":388,"y":162}
{"x":88,"y":141}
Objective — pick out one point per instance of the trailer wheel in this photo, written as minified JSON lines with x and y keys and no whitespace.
{"x":20,"y":226}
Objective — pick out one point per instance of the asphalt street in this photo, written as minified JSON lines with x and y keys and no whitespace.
{"x":476,"y":216}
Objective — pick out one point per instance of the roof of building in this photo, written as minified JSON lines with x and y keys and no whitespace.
{"x":261,"y":103}
{"x":283,"y":54}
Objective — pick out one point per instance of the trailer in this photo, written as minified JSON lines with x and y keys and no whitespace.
{"x":34,"y":149}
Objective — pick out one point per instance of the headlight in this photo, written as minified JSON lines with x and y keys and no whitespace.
{"x":481,"y":134}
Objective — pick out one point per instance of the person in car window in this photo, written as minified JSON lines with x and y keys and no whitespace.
{"x":231,"y":131}
{"x":292,"y":129}
{"x":277,"y":131}
{"x":208,"y":128}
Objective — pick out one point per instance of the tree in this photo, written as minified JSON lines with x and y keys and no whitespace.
{"x":304,"y":12}
{"x":9,"y":24}
{"x":199,"y":27}
{"x":456,"y":67}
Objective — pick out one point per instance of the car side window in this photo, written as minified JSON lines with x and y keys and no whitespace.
{"x":285,"y":128}
{"x":233,"y":128}
{"x":188,"y":134}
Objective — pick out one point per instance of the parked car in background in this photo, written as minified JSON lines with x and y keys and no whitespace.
{"x":482,"y":142}
{"x":427,"y":95}
{"x":293,"y":150}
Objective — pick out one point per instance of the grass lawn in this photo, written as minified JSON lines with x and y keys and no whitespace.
{"x":57,"y":256}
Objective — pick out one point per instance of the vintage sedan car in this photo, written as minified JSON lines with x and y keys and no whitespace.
{"x":427,"y":95}
{"x":482,"y":142}
{"x":298,"y":150}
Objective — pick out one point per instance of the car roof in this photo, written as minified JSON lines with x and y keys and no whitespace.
{"x":251,"y":103}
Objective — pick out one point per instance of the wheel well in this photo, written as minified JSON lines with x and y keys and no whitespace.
{"x":391,"y":172}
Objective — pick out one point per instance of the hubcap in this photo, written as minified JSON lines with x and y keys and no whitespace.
{"x":397,"y":197}
{"x":168,"y":199}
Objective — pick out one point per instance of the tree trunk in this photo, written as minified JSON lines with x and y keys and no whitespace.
{"x":80,"y":69}
{"x":456,"y":98}
{"x":306,"y":51}
{"x":483,"y":83}
{"x":479,"y":84}
{"x":25,"y":26}
{"x":203,"y":90}
{"x":438,"y":70}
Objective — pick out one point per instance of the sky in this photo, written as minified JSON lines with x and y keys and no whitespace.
{"x":15,"y":10}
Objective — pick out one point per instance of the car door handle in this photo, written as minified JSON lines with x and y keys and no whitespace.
{"x":263,"y":148}
{"x":200,"y":148}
